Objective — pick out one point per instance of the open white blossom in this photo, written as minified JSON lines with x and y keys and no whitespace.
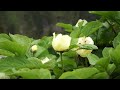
{"x":80,"y":20}
{"x":84,"y":40}
{"x":61,"y":42}
{"x":45,"y":60}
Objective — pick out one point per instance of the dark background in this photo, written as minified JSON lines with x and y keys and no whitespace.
{"x":36,"y":24}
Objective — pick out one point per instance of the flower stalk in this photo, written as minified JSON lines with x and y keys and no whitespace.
{"x":61,"y":61}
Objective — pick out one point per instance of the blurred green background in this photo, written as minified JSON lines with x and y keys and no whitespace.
{"x":36,"y":24}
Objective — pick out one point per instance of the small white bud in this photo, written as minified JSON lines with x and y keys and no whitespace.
{"x":80,"y":20}
{"x":34,"y":48}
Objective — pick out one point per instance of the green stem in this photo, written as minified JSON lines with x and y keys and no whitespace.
{"x":86,"y":62}
{"x":61,"y":60}
{"x":33,"y":54}
{"x":82,"y":63}
{"x":77,"y":59}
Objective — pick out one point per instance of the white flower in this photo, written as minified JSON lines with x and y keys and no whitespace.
{"x":84,"y":40}
{"x":34,"y":48}
{"x":61,"y":42}
{"x":45,"y":60}
{"x":80,"y":20}
{"x":3,"y":76}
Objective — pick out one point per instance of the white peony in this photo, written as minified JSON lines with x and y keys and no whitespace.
{"x":61,"y":42}
{"x":84,"y":40}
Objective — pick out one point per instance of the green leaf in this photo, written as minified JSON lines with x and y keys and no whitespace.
{"x":4,"y":39}
{"x":88,"y":46}
{"x":111,"y":68}
{"x":18,"y":44}
{"x":26,"y":73}
{"x":51,"y":63}
{"x":75,"y":33}
{"x":73,"y":47}
{"x":77,"y":30}
{"x":2,"y":35}
{"x":104,"y":13}
{"x":102,"y":37}
{"x":57,"y":71}
{"x":41,"y":52}
{"x":116,"y":40}
{"x":82,"y":73}
{"x":69,"y":64}
{"x":116,"y":73}
{"x":37,"y":63}
{"x":68,"y":75}
{"x":6,"y":53}
{"x":13,"y":47}
{"x":90,"y":28}
{"x":101,"y":75}
{"x":20,"y":39}
{"x":35,"y":42}
{"x":92,"y":58}
{"x":45,"y":42}
{"x":73,"y":43}
{"x":115,"y":55}
{"x":67,"y":27}
{"x":113,"y":16}
{"x":70,"y":53}
{"x":106,"y":51}
{"x":102,"y":64}
{"x":19,"y":62}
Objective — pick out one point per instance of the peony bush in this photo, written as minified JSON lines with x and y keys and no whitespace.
{"x":87,"y":50}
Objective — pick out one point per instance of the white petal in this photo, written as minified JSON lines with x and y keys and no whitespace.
{"x":45,"y":60}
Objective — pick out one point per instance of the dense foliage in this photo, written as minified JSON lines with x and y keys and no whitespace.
{"x":88,"y":50}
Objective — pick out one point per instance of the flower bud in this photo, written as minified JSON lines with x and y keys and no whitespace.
{"x":84,"y":40}
{"x":61,"y":42}
{"x":34,"y":48}
{"x":80,"y":20}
